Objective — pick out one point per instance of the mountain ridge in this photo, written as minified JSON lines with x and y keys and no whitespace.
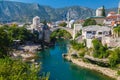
{"x":24,"y":12}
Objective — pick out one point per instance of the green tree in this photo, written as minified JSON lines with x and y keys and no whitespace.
{"x":89,"y":22}
{"x":78,"y":33}
{"x":103,"y":12}
{"x":8,"y":34}
{"x":116,"y":31}
{"x":18,"y":70}
{"x":63,"y":24}
{"x":114,"y":57}
{"x":60,"y":33}
{"x":76,"y":45}
{"x":45,"y":22}
{"x":5,"y":42}
{"x":99,"y":50}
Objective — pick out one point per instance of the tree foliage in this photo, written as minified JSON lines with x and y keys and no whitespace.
{"x":116,"y":31}
{"x":76,"y":45}
{"x":114,"y":57}
{"x":78,"y":33}
{"x":10,"y":33}
{"x":118,"y":72}
{"x":63,"y":24}
{"x":103,"y":12}
{"x":5,"y":42}
{"x":100,"y":51}
{"x":18,"y":70}
{"x":89,"y":22}
{"x":60,"y":33}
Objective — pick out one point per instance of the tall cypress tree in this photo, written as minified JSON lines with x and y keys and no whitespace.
{"x":103,"y":11}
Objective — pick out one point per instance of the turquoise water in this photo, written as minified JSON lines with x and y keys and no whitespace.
{"x":60,"y":69}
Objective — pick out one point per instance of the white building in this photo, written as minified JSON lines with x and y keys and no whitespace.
{"x":36,"y":23}
{"x":36,"y":20}
{"x":99,"y":11}
{"x":95,"y":31}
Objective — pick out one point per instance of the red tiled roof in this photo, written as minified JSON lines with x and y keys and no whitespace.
{"x":111,"y":17}
{"x":112,"y":12}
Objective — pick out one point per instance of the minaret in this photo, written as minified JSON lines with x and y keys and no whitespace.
{"x":119,"y":8}
{"x":68,"y":18}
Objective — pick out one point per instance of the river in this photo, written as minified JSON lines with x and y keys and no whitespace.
{"x":61,"y":69}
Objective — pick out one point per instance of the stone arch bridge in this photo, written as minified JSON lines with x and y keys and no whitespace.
{"x":71,"y":31}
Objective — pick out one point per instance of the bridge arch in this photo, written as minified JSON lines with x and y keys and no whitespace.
{"x":64,"y":28}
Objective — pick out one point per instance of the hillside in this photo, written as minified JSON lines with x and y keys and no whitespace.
{"x":24,"y":12}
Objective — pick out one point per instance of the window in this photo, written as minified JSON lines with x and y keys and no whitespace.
{"x":94,"y":32}
{"x":88,"y":32}
{"x":100,"y":33}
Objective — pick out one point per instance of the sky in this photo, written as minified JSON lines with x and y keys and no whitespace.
{"x":65,"y":3}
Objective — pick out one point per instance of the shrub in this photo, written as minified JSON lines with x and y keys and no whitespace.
{"x":18,"y":70}
{"x":118,"y":72}
{"x":100,"y":51}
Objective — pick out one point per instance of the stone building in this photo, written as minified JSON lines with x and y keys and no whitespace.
{"x":99,"y":18}
{"x":43,"y":30}
{"x":95,"y":31}
{"x":99,"y":11}
{"x":36,"y":23}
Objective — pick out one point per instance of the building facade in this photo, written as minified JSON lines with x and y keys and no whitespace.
{"x":95,"y":31}
{"x":41,"y":29}
{"x":36,"y":23}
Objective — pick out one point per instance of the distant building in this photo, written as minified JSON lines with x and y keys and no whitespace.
{"x":99,"y":12}
{"x":36,"y":20}
{"x":99,"y":18}
{"x":113,"y":19}
{"x":41,"y":29}
{"x":36,"y":23}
